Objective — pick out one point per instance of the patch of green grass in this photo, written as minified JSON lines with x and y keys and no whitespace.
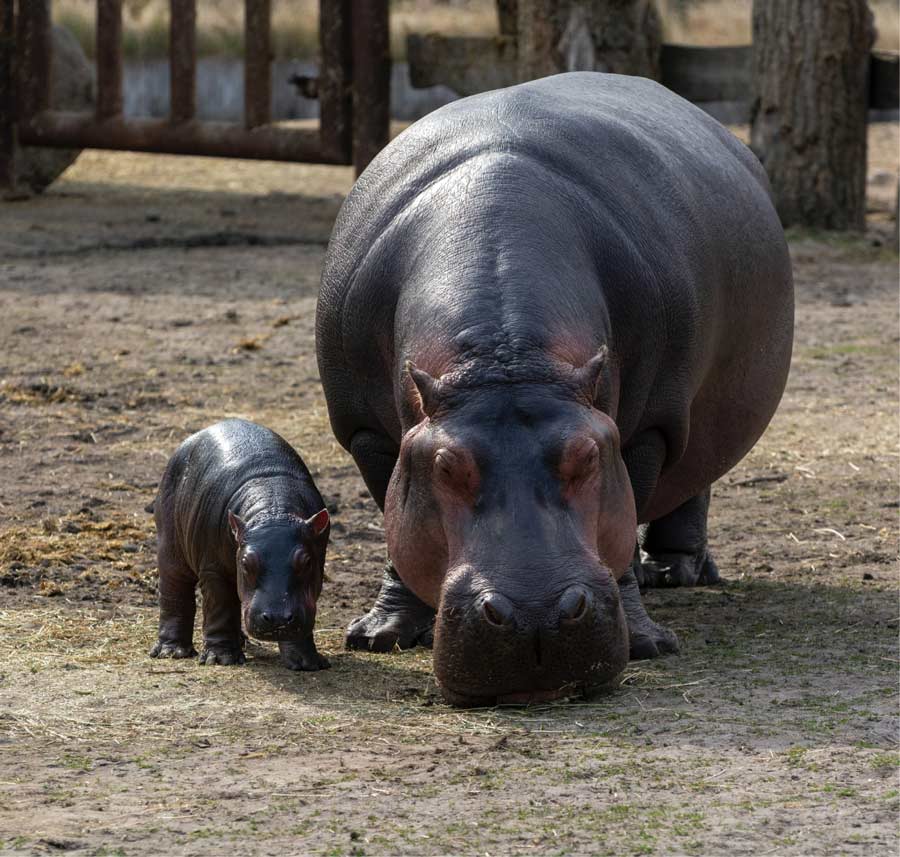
{"x":77,"y":763}
{"x":886,"y":760}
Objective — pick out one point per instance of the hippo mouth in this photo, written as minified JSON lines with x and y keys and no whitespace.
{"x":461,"y":699}
{"x":278,"y":634}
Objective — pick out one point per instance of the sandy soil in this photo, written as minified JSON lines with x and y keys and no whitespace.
{"x":143,"y":298}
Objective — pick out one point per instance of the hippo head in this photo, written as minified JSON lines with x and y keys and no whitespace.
{"x":280,"y":567}
{"x":511,"y":512}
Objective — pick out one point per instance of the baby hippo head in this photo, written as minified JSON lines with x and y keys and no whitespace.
{"x":280,"y":567}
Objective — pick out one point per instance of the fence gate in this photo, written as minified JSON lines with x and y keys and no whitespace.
{"x":353,"y":89}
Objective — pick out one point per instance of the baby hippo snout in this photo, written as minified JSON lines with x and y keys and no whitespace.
{"x":276,"y":623}
{"x":491,"y":647}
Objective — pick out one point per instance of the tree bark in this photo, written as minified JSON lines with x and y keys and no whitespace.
{"x":808,"y":116}
{"x":619,"y":36}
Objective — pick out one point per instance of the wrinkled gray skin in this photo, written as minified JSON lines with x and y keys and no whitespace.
{"x":550,"y":313}
{"x":237,"y":512}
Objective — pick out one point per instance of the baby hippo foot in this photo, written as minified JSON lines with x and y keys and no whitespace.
{"x":302,"y":655}
{"x":398,"y":618}
{"x":646,"y":638}
{"x":172,"y":649}
{"x":224,"y":654}
{"x":678,"y":569}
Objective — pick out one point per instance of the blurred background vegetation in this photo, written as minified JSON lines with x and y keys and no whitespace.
{"x":295,"y":24}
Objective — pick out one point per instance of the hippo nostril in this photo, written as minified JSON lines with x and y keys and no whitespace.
{"x":288,"y":618}
{"x":573,"y":604}
{"x":497,"y":610}
{"x":267,"y":618}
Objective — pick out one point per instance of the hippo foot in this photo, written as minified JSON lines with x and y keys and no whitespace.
{"x":224,"y":655}
{"x":398,"y":619}
{"x":646,"y":638}
{"x":302,"y":655}
{"x":678,"y":569}
{"x":172,"y":649}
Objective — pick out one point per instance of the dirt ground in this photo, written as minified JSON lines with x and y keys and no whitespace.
{"x":143,"y":298}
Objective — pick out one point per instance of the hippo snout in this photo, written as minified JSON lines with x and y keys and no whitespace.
{"x":493,"y":647}
{"x":278,"y":623}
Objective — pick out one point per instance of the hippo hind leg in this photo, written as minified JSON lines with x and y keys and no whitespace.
{"x":675,"y":548}
{"x":177,"y":604}
{"x":398,"y":618}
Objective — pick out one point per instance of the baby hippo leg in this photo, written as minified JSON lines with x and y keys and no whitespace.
{"x":302,"y":655}
{"x":223,"y":642}
{"x":177,"y":605}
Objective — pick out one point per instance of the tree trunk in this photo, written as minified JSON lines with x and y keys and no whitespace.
{"x":620,"y":36}
{"x":808,"y":117}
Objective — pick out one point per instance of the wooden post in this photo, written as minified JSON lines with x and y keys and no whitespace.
{"x":371,"y":80}
{"x":808,"y":116}
{"x":619,"y":36}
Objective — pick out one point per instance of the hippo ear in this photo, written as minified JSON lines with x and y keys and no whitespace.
{"x":587,"y":377}
{"x":427,"y":387}
{"x":319,"y":522}
{"x":236,"y":525}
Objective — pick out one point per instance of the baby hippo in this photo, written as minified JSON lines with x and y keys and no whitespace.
{"x":237,"y":511}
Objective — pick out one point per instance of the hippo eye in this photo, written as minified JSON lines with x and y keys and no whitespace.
{"x":250,"y":566}
{"x":579,"y":460}
{"x":457,"y":470}
{"x":300,"y":560}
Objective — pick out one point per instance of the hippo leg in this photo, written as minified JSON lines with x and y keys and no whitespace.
{"x":177,"y":605}
{"x":223,"y":641}
{"x":646,"y":638}
{"x":302,"y":655}
{"x":398,"y":618}
{"x":675,"y":549}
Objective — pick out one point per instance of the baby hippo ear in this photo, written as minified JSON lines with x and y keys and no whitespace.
{"x":319,"y":522}
{"x":236,"y":525}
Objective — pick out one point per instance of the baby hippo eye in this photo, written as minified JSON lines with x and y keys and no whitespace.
{"x":250,"y":566}
{"x":300,"y":561}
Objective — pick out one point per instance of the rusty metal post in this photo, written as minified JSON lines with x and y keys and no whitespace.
{"x":7,"y":95}
{"x":34,"y":55}
{"x":371,"y":80}
{"x":257,"y":63}
{"x":109,"y":59}
{"x":335,"y":79}
{"x":182,"y":60}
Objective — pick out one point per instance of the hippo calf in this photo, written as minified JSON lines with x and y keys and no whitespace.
{"x":238,"y":513}
{"x":549,"y":314}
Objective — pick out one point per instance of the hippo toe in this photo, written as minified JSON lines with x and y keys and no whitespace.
{"x":222,"y":655}
{"x":170,"y":649}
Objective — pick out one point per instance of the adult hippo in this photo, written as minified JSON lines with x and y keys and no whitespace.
{"x":549,"y":313}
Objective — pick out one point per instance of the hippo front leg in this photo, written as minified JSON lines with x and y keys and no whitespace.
{"x":223,"y":641}
{"x":646,"y":638}
{"x":398,"y":618}
{"x":302,"y":655}
{"x":675,"y":547}
{"x":644,"y":458}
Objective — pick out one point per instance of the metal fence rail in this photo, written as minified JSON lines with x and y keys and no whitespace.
{"x":353,"y":89}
